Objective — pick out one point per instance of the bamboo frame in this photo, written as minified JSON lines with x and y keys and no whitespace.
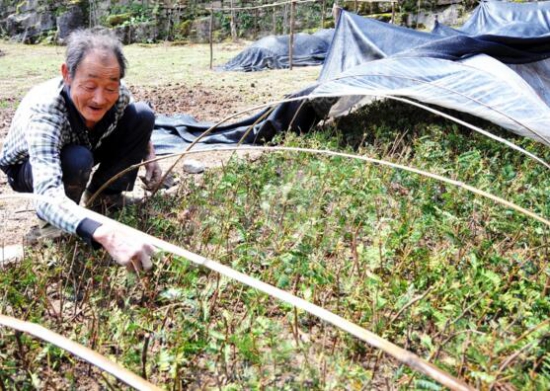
{"x":474,"y":190}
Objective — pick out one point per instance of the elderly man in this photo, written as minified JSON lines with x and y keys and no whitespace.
{"x":66,"y":126}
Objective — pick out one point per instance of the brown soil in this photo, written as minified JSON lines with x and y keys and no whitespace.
{"x":205,"y":104}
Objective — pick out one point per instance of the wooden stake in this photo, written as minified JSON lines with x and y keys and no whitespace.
{"x":291,"y":37}
{"x":256,"y":25}
{"x":274,"y":21}
{"x":233,"y":23}
{"x":323,"y":11}
{"x":210,"y":38}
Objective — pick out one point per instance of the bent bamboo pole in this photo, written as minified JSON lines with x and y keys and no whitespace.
{"x":272,"y":105}
{"x":83,"y":352}
{"x":381,"y":162}
{"x":404,"y":356}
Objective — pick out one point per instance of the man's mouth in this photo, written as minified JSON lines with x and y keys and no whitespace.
{"x":95,"y":109}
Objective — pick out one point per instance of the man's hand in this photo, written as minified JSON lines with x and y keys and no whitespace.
{"x":126,"y":249}
{"x":153,"y":172}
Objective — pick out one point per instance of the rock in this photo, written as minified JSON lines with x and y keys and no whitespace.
{"x":200,"y":29}
{"x":124,"y":34}
{"x":68,"y":22}
{"x":141,"y":32}
{"x":10,"y":254}
{"x":192,"y":166}
{"x":30,"y":26}
{"x":144,"y":33}
{"x":450,"y":15}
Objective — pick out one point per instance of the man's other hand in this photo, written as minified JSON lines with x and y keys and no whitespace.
{"x":126,"y":249}
{"x":152,"y":177}
{"x":153,"y":172}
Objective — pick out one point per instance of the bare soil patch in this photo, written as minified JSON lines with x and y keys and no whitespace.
{"x":205,"y":104}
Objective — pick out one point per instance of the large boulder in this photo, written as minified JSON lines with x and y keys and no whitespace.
{"x":144,"y":33}
{"x":139,"y":32}
{"x":29,"y":27}
{"x":200,"y":29}
{"x":27,"y":6}
{"x":69,"y":21}
{"x":451,"y":15}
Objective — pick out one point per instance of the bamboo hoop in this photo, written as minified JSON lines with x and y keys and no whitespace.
{"x":272,"y":104}
{"x":165,"y":175}
{"x":83,"y":352}
{"x":203,"y":135}
{"x":381,"y":162}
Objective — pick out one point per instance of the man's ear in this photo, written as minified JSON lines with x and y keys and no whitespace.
{"x":65,"y":74}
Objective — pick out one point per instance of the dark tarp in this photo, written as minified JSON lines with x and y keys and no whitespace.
{"x":175,"y":133}
{"x":503,"y":79}
{"x":272,"y":52}
{"x":499,"y":78}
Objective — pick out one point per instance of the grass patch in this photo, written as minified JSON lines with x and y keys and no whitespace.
{"x":24,"y":66}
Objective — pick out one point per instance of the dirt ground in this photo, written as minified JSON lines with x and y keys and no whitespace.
{"x":205,"y":104}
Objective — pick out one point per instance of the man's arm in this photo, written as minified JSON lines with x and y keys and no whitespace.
{"x":44,"y":146}
{"x":43,"y":137}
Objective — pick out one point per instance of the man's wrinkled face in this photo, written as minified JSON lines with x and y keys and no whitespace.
{"x":95,"y":85}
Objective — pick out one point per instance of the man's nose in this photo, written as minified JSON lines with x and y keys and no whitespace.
{"x":99,"y":96}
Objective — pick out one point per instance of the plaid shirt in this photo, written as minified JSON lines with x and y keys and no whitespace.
{"x":41,"y":127}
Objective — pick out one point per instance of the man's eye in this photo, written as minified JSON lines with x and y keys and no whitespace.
{"x":89,"y":88}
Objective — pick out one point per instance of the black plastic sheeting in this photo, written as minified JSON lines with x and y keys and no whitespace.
{"x":175,"y":133}
{"x":502,"y":78}
{"x":272,"y":52}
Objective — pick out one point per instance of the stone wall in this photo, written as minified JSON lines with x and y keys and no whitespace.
{"x":32,"y":21}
